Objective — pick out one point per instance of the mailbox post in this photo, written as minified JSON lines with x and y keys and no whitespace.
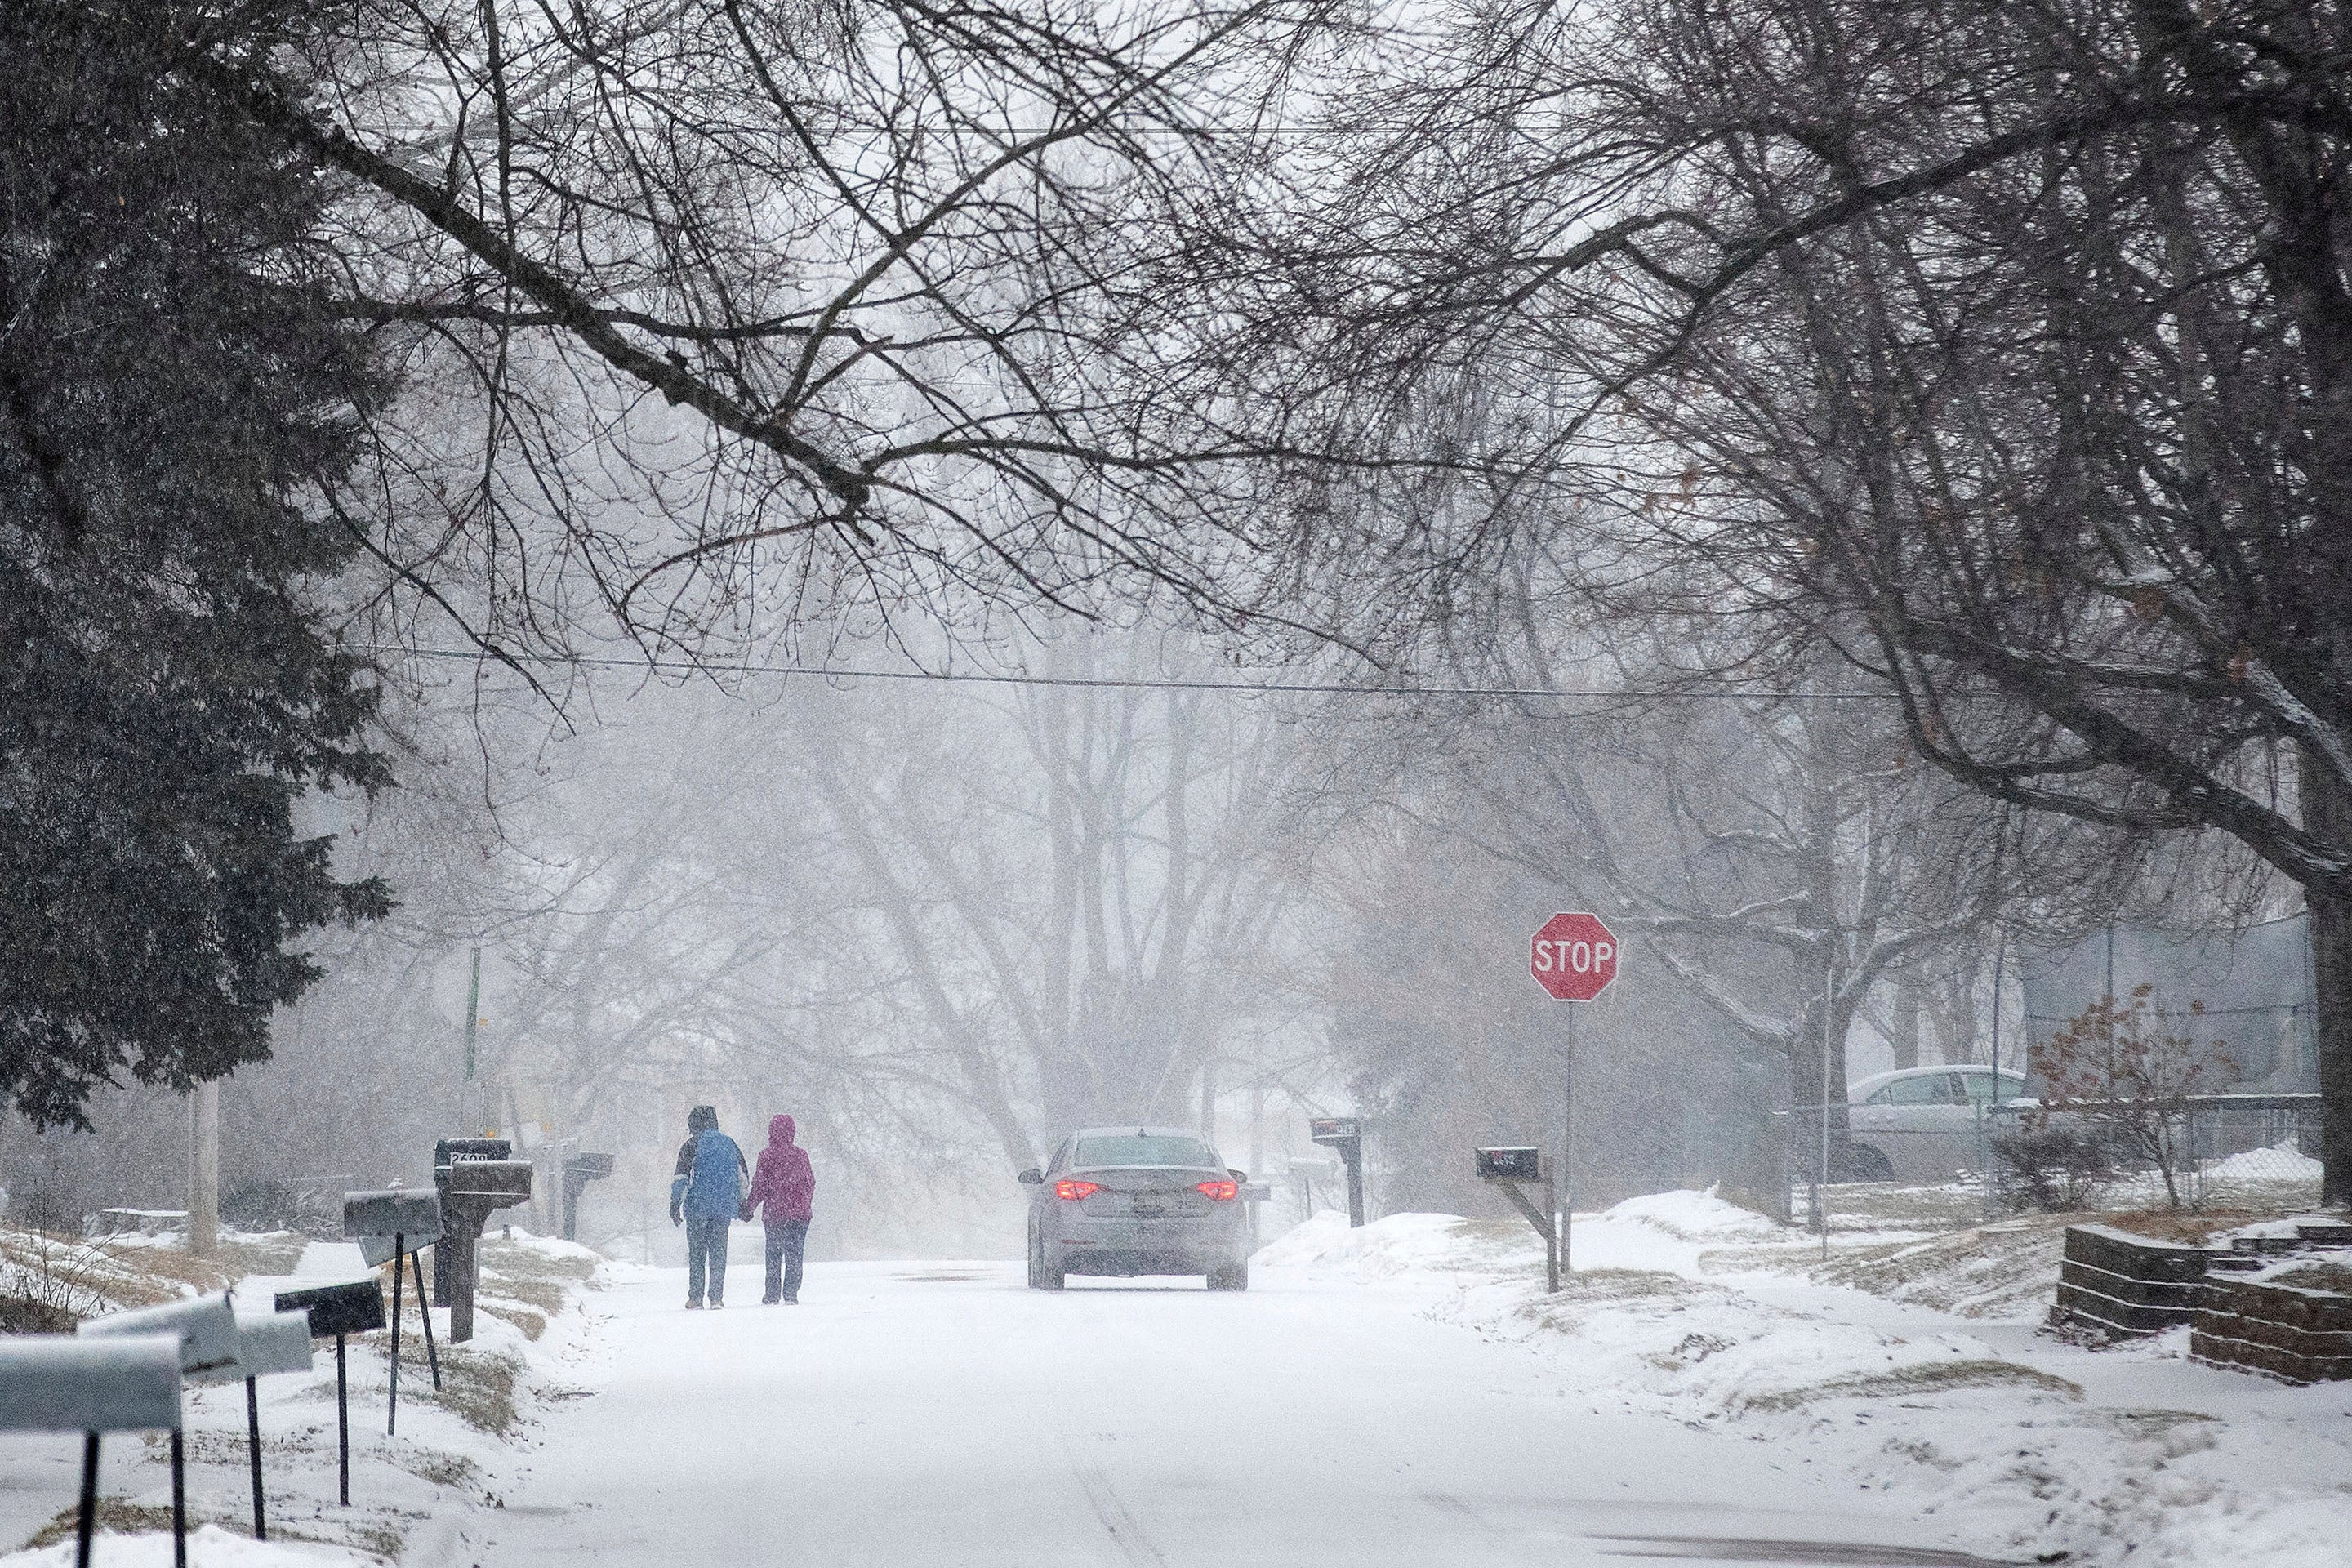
{"x":397,"y":1224}
{"x":274,"y":1342}
{"x":1345,"y":1136}
{"x":356,"y":1308}
{"x":207,"y":1334}
{"x":578,"y":1172}
{"x":1511,"y":1169}
{"x":476,"y":1188}
{"x":90,"y":1384}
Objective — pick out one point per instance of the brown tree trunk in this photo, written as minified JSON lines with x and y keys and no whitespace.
{"x":2329,"y":814}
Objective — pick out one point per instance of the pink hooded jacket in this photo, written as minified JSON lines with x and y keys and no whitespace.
{"x":784,"y":1181}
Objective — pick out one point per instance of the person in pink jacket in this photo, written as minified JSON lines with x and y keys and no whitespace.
{"x":786,"y":1186}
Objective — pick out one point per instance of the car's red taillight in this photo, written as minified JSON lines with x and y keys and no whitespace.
{"x":1224,"y":1192}
{"x":1074,"y":1191}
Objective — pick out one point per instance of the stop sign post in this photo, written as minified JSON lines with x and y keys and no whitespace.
{"x":1574,"y":958}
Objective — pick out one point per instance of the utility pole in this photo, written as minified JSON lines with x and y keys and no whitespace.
{"x":1820,"y":1192}
{"x":203,"y":1169}
{"x":473,"y":1110}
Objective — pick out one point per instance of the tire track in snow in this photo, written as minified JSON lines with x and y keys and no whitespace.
{"x":1103,"y":1497}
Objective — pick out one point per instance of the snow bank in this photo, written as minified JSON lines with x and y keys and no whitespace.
{"x":209,"y":1547}
{"x":555,"y":1246}
{"x":1688,"y":1215}
{"x":1661,"y":1230}
{"x":2281,"y":1162}
{"x":2013,"y":1457}
{"x":1400,"y":1244}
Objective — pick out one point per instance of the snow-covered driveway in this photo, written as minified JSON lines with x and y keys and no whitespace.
{"x":936,"y":1414}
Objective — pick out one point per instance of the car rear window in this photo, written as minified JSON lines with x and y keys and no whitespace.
{"x":1142,"y":1149}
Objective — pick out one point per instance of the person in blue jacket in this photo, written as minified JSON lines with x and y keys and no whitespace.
{"x":711,"y":1171}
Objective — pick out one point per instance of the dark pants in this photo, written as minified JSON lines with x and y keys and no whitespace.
{"x":705,"y":1251}
{"x":785,"y":1239}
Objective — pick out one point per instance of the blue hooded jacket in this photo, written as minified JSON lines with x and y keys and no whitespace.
{"x":711,"y":1172}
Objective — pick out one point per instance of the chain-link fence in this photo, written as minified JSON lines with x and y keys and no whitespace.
{"x":1943,"y":1167}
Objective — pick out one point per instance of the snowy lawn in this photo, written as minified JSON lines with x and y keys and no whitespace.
{"x":414,"y":1496}
{"x":2022,"y":1445}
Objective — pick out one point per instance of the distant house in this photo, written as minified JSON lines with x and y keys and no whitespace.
{"x":2255,"y":983}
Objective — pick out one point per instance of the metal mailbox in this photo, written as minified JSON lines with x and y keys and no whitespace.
{"x":393,"y":1225}
{"x":266,"y":1345}
{"x":1510,"y":1165}
{"x":1514,"y":1169}
{"x":503,"y":1183}
{"x":472,"y":1189}
{"x":106,"y":1382}
{"x":353,"y":1308}
{"x":356,"y":1308}
{"x":448,"y":1154}
{"x":579,"y":1171}
{"x":451,"y":1151}
{"x":272,"y":1344}
{"x":395,"y":1220}
{"x":205,"y":1327}
{"x":57,"y":1382}
{"x":1345,"y":1134}
{"x":415,"y":1218}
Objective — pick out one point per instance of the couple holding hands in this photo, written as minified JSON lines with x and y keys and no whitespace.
{"x":708,"y":1194}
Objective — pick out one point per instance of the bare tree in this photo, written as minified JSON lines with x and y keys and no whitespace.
{"x":1081,"y":890}
{"x":2003,"y":348}
{"x":716,"y":315}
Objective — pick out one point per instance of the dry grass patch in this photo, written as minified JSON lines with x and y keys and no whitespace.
{"x":49,"y":1282}
{"x":1628,"y":1284}
{"x":478,"y":1386}
{"x":453,"y":1471}
{"x":1990,"y":1271}
{"x":531,"y":1323}
{"x":121,"y":1517}
{"x":2317,"y":1277}
{"x":2190,"y":1228}
{"x":1914,"y":1382}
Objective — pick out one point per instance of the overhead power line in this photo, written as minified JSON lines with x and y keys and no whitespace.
{"x":1120,"y":683}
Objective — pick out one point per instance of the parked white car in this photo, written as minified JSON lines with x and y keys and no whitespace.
{"x":1919,"y":1124}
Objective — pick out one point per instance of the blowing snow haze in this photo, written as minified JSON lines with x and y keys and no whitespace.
{"x":1499,"y":784}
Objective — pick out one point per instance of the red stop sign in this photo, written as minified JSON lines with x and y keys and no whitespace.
{"x":1574,"y":957}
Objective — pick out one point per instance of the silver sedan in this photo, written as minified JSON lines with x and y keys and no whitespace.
{"x":1138,"y":1200}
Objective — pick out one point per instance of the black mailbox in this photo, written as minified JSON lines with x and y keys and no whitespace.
{"x":450,"y":1151}
{"x":356,"y":1308}
{"x":1510,"y":1165}
{"x":1509,"y":1169}
{"x":1346,"y":1134}
{"x":490,"y":1183}
{"x":578,"y":1172}
{"x":472,"y":1188}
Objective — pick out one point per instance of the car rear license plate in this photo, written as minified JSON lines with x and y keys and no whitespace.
{"x":1149,"y":1208}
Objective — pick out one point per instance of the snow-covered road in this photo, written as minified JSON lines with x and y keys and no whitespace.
{"x":942,"y":1413}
